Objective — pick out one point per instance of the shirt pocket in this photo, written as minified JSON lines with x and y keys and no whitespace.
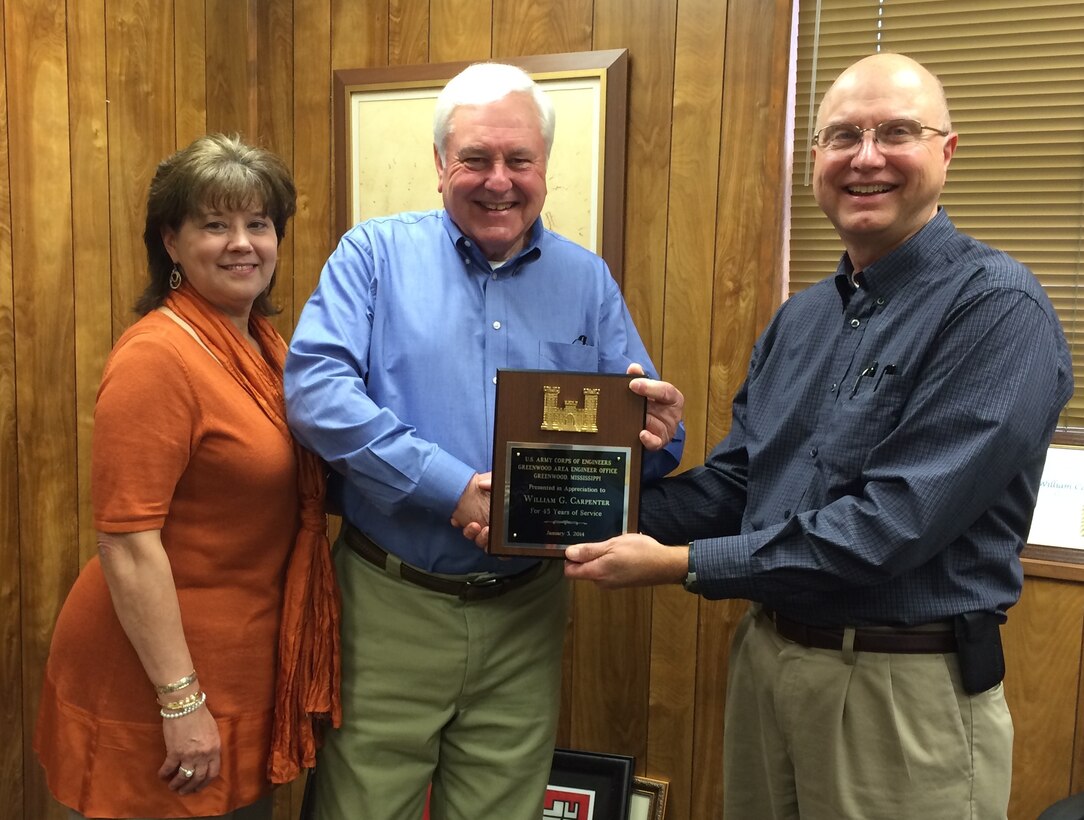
{"x":566,"y":356}
{"x":861,"y":423}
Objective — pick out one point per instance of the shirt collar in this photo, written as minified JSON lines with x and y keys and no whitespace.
{"x":910,"y":261}
{"x":464,"y":244}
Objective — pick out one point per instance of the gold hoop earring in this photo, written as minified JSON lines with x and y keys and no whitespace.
{"x":175,"y":277}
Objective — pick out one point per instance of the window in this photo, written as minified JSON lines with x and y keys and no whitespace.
{"x":1014,"y":77}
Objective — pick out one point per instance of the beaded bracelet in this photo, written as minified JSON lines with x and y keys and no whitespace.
{"x":180,"y":704}
{"x":186,"y":710}
{"x":166,"y":688}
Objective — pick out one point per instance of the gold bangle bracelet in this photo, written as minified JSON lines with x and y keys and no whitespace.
{"x":166,"y":688}
{"x":187,"y":710}
{"x":180,"y":704}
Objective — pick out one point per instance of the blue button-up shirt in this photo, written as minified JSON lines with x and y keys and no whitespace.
{"x":391,"y":371}
{"x":886,"y":446}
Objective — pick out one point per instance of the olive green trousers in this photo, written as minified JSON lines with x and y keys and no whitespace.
{"x":463,"y":695}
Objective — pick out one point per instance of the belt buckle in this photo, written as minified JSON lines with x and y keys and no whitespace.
{"x":484,"y":581}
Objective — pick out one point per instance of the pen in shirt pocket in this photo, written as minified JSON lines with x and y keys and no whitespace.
{"x":869,"y":373}
{"x":887,"y":370}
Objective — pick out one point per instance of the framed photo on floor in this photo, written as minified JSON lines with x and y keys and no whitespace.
{"x":648,"y":800}
{"x":588,"y":786}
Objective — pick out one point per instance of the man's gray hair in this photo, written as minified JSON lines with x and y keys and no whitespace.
{"x":483,"y":83}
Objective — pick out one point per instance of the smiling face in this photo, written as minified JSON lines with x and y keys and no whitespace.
{"x":493,"y":179}
{"x":227,"y":256}
{"x":878,"y":200}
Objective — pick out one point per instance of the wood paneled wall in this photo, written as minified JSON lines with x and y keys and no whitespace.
{"x":1045,"y":687}
{"x":96,"y":92}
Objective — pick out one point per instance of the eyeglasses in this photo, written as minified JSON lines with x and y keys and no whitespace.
{"x":889,"y":135}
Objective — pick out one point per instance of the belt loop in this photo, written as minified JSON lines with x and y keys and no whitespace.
{"x":848,"y":645}
{"x":392,"y":566}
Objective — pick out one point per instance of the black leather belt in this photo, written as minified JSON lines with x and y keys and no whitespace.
{"x":474,"y":588}
{"x":900,"y":641}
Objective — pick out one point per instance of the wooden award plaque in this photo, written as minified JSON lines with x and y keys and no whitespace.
{"x":566,"y":460}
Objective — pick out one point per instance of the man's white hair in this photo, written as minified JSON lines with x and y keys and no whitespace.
{"x":483,"y":83}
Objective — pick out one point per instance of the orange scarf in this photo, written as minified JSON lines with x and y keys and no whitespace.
{"x":307,"y":689}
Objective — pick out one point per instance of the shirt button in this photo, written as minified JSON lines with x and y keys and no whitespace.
{"x":813,"y":452}
{"x":880,"y":300}
{"x":833,"y":388}
{"x":855,"y":323}
{"x":466,"y":243}
{"x":496,"y":325}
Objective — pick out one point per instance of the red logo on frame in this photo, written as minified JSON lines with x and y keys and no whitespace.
{"x":563,"y":803}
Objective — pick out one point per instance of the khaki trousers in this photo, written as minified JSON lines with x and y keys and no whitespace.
{"x":262,"y":809}
{"x":884,"y":737}
{"x":464,"y":695}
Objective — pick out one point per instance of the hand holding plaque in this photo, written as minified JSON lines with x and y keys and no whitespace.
{"x":566,"y":460}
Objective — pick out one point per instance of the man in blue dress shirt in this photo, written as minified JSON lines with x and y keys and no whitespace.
{"x":874,"y":492}
{"x":451,"y":657}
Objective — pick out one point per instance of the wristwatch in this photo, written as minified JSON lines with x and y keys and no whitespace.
{"x":690,"y":577}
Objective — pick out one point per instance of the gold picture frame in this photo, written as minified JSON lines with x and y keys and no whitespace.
{"x":384,"y":146}
{"x":648,"y":799}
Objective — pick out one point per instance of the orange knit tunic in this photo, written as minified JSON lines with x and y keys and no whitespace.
{"x":178,"y":446}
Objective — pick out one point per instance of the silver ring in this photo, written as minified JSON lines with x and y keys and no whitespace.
{"x":186,"y":772}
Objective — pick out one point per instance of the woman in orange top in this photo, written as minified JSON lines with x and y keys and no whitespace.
{"x":212,"y":587}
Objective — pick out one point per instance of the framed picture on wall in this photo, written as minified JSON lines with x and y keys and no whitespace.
{"x":383,"y":143}
{"x":1059,"y":509}
{"x":588,"y":786}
